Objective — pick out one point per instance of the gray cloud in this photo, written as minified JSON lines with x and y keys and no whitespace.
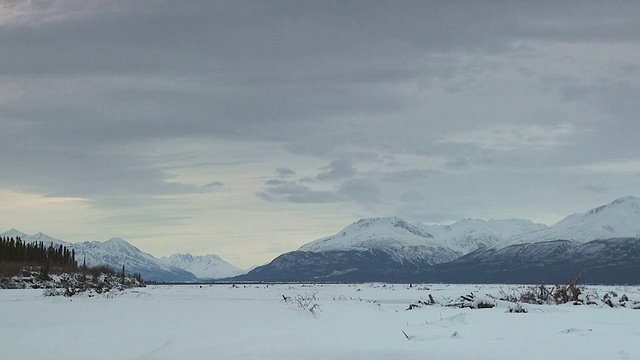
{"x":361,"y":191}
{"x":459,"y":163}
{"x":337,"y":169}
{"x":214,"y":185}
{"x":295,"y":192}
{"x":409,"y":174}
{"x":434,"y":110}
{"x":284,"y":171}
{"x":74,"y":174}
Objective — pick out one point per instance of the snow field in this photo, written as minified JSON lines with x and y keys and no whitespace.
{"x":364,"y":321}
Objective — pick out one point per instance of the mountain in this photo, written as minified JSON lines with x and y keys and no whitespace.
{"x":386,"y":248}
{"x":604,"y":242}
{"x":206,"y":267}
{"x":117,"y":252}
{"x":469,"y":235}
{"x":607,"y":261}
{"x":402,"y":241}
{"x":413,"y":242}
{"x":618,"y":219}
{"x":13,"y":233}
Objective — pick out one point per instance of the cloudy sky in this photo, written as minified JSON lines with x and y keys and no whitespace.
{"x":247,"y":129}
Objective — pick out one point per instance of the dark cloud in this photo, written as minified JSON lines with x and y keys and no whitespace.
{"x":480,"y":86}
{"x":344,"y":187}
{"x":284,"y":171}
{"x":295,"y":192}
{"x":214,"y":185}
{"x":337,"y":169}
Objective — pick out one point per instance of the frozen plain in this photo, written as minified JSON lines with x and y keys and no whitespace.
{"x":363,"y":321}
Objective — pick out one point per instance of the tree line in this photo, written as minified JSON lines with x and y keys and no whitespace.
{"x":16,"y":255}
{"x":14,"y":250}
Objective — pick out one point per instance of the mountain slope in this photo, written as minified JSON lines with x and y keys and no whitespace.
{"x":608,"y":261}
{"x":385,"y":248}
{"x":402,"y":241}
{"x":207,"y":267}
{"x":469,"y":235}
{"x":618,"y":219}
{"x":604,"y":242}
{"x":115,"y":253}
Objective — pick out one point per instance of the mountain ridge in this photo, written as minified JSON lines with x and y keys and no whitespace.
{"x":391,"y":249}
{"x":116,"y":252}
{"x":605,"y":238}
{"x":205,"y":267}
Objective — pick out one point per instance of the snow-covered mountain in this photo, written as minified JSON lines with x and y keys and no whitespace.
{"x":392,"y":249}
{"x":405,"y":239}
{"x":117,"y":252}
{"x":38,"y":237}
{"x":387,"y":249}
{"x":207,"y":267}
{"x":617,"y":219}
{"x":469,"y":235}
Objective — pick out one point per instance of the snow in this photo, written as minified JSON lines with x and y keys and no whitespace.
{"x":373,"y":233}
{"x":618,"y":219}
{"x":116,"y":251}
{"x":13,"y":233}
{"x":365,"y":321}
{"x":459,"y":238}
{"x":205,"y":266}
{"x":471,"y":234}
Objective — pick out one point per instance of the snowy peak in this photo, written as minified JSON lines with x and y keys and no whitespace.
{"x":629,"y":205}
{"x":120,"y":245}
{"x":471,"y":234}
{"x":38,"y":237}
{"x":116,"y":252}
{"x":388,"y":225}
{"x":204,"y":267}
{"x":617,"y":219}
{"x":375,"y":233}
{"x":13,"y":233}
{"x":463,"y":236}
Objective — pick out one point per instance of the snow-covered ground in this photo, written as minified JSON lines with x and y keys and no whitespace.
{"x":365,"y":321}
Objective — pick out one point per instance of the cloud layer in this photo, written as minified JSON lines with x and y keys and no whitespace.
{"x":429,"y":110}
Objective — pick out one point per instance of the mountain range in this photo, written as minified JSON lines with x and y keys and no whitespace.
{"x":116,"y":252}
{"x":602,"y":243}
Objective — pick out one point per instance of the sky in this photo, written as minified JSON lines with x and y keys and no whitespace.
{"x":249,"y":128}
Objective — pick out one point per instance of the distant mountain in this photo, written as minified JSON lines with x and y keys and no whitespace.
{"x":206,"y":267}
{"x":604,"y":242}
{"x":607,"y":261}
{"x":405,"y":243}
{"x":386,"y":248}
{"x":618,"y":219}
{"x":416,"y":242}
{"x":117,"y":252}
{"x":469,"y":235}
